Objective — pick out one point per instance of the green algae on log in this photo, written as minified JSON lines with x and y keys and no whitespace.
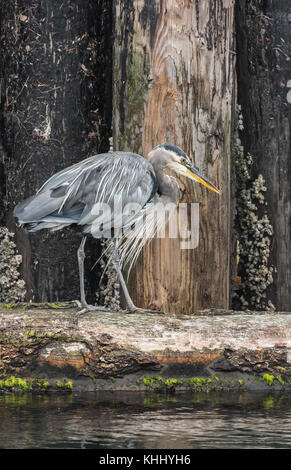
{"x":106,"y":350}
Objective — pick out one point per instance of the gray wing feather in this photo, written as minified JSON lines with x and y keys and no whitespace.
{"x":108,"y":175}
{"x":118,"y":177}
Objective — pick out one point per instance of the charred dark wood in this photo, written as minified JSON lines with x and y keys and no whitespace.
{"x":264,"y":71}
{"x":55,"y":111}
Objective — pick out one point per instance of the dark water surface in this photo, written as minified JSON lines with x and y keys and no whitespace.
{"x":119,"y":420}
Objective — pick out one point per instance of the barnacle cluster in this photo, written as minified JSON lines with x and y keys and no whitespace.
{"x":12,"y":288}
{"x":254,"y":232}
{"x":108,"y":293}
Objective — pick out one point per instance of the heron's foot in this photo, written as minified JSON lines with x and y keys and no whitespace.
{"x":135,"y":309}
{"x":87,"y":308}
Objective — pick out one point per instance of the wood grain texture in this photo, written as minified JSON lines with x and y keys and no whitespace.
{"x":40,"y":342}
{"x":173,"y":82}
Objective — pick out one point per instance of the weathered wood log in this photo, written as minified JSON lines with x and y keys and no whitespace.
{"x":214,"y":349}
{"x":55,"y":110}
{"x":173,"y":83}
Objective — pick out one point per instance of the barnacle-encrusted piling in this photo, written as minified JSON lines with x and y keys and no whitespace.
{"x":108,"y":292}
{"x":263,"y":71}
{"x":254,"y":232}
{"x":12,"y":288}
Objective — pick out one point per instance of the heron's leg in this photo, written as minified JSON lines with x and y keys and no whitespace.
{"x":81,"y":257}
{"x":116,"y":261}
{"x":128,"y":299}
{"x":83,"y":304}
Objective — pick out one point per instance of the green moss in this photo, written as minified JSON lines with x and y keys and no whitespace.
{"x":30,"y":333}
{"x":41,"y":384}
{"x":23,"y":384}
{"x":136,"y":89}
{"x":69,"y":385}
{"x":198,"y":383}
{"x":269,"y":379}
{"x":112,"y":379}
{"x":172,"y":382}
{"x":240,"y":382}
{"x":57,"y":305}
{"x":42,"y":306}
{"x":148,"y":381}
{"x":194,"y":383}
{"x":154,"y":381}
{"x":16,"y":384}
{"x":279,"y":378}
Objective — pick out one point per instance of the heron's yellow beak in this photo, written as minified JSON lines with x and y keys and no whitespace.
{"x":193,"y":174}
{"x":185,"y":168}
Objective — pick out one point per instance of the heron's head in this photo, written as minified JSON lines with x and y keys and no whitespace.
{"x":175,"y":159}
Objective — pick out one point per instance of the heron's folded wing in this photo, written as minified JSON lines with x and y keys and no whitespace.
{"x":114,"y":179}
{"x":118,"y":181}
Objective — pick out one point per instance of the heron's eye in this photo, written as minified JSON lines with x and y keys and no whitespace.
{"x":182,"y":160}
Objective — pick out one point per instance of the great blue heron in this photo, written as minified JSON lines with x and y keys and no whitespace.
{"x":75,"y":195}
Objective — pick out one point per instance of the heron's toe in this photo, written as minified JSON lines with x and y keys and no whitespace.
{"x":87,"y":308}
{"x":143,"y":310}
{"x":92,"y":308}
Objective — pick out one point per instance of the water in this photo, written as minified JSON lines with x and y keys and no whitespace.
{"x":122,"y":420}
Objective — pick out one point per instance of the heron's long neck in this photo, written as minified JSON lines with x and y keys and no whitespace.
{"x":168,"y":188}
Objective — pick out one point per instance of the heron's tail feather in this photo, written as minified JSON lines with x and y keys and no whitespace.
{"x":42,"y":211}
{"x":36,"y":207}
